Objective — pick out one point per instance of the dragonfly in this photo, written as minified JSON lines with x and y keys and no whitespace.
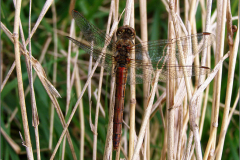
{"x":118,"y":54}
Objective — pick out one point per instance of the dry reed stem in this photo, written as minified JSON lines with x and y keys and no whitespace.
{"x":189,"y":144}
{"x":89,"y":71}
{"x":132,"y":96}
{"x":20,"y":83}
{"x":11,"y":118}
{"x":164,"y":148}
{"x":62,"y":120}
{"x":81,"y":114}
{"x":42,"y":56}
{"x":14,"y":145}
{"x":234,"y":107}
{"x":220,"y":34}
{"x":96,"y":114}
{"x":200,"y":89}
{"x":55,"y":37}
{"x":108,"y":143}
{"x":205,"y":52}
{"x":146,"y":117}
{"x":132,"y":102}
{"x":35,"y":119}
{"x":51,"y":127}
{"x":42,"y":14}
{"x":192,"y":12}
{"x":158,"y":105}
{"x":125,"y":128}
{"x":74,"y":61}
{"x":180,"y":139}
{"x":170,"y":98}
{"x":8,"y":75}
{"x":127,"y":15}
{"x":146,"y":86}
{"x":231,"y":69}
{"x":203,"y":113}
{"x":236,"y":112}
{"x":208,"y":79}
{"x":95,"y":94}
{"x":171,"y":6}
{"x":68,"y":83}
{"x":192,"y":114}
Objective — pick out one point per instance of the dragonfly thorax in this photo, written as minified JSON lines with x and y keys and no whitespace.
{"x":122,"y":60}
{"x":123,"y":49}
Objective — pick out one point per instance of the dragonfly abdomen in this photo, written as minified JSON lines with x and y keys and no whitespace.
{"x":121,"y":78}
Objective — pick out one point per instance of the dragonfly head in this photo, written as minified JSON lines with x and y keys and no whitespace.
{"x":126,"y":32}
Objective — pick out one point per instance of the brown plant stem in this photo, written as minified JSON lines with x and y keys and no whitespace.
{"x":20,"y":83}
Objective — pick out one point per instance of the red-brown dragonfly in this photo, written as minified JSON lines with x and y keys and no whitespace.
{"x":117,"y":54}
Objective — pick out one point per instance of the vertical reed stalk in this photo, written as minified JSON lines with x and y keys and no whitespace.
{"x":231,"y":69}
{"x":54,"y":72}
{"x":146,"y":86}
{"x":146,"y":117}
{"x":27,"y":142}
{"x":170,"y":97}
{"x":81,"y":114}
{"x":221,"y":11}
{"x":109,"y":139}
{"x":132,"y":131}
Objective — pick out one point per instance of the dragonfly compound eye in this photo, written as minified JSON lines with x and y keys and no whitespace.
{"x":119,"y":33}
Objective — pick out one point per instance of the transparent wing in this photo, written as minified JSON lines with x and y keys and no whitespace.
{"x":104,"y":59}
{"x":92,"y":34}
{"x":145,"y":73}
{"x":158,"y":58}
{"x":157,"y":51}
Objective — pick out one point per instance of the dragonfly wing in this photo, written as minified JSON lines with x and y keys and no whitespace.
{"x":158,"y":51}
{"x":145,"y":72}
{"x":104,"y":59}
{"x":194,"y":43}
{"x":92,"y":34}
{"x":178,"y":71}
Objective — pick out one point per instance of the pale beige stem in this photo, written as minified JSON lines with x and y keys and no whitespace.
{"x":220,"y":34}
{"x":20,"y":83}
{"x":146,"y":86}
{"x":231,"y":69}
{"x":54,"y":73}
{"x":11,"y":142}
{"x":132,"y":98}
{"x":170,"y":97}
{"x":127,"y":15}
{"x":81,"y":114}
{"x":8,"y":75}
{"x":146,"y":117}
{"x":108,"y":143}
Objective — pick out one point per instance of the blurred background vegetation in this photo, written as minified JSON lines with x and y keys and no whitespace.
{"x":96,"y":11}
